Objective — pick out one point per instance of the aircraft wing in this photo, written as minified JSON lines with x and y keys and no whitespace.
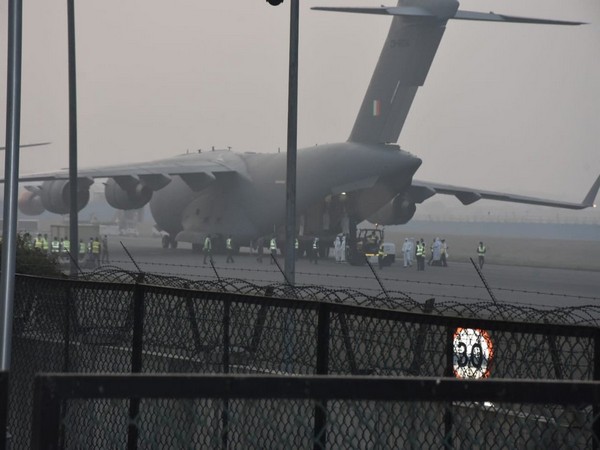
{"x":145,"y":171}
{"x":422,"y":190}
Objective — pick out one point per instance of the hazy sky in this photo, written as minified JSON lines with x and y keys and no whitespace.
{"x":505,"y":106}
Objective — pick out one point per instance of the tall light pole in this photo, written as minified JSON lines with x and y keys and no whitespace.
{"x":292,"y":145}
{"x":73,"y":203}
{"x":11,"y":179}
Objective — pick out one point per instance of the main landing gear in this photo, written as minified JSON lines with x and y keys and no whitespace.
{"x":168,"y":241}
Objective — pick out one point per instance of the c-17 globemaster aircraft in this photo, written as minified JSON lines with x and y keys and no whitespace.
{"x":339,"y":185}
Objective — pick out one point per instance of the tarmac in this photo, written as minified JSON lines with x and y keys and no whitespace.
{"x":459,"y":282}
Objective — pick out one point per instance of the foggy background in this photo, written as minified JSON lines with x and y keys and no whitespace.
{"x":506,"y":107}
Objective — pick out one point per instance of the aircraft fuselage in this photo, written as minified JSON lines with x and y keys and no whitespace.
{"x":249,"y":201}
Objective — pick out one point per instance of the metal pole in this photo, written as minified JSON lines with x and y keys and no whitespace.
{"x":290,"y":185}
{"x":73,"y":210}
{"x":11,"y":179}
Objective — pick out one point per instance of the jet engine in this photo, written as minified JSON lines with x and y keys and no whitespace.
{"x":55,"y":195}
{"x":30,"y":202}
{"x":397,"y":212}
{"x":130,"y":195}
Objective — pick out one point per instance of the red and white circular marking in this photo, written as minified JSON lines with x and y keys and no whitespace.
{"x":473,"y":353}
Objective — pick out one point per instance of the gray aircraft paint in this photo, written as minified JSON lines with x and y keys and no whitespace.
{"x":244,"y":194}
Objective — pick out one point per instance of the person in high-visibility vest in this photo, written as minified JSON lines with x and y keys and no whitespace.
{"x":207,"y":248}
{"x":229,"y":248}
{"x":420,"y":254}
{"x":39,"y":242}
{"x":273,"y":248}
{"x":481,"y":254}
{"x":55,"y":246}
{"x":96,"y":252}
{"x":296,"y":248}
{"x":315,"y":250}
{"x":82,"y":249}
{"x":380,"y":256}
{"x":66,"y":246}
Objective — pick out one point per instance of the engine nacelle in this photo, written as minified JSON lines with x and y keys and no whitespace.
{"x":30,"y":203}
{"x":397,"y":212}
{"x":134,"y":197}
{"x":56,"y":197}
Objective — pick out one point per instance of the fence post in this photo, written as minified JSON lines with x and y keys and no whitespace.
{"x":596,"y":406}
{"x":415,"y":365}
{"x":448,"y":372}
{"x":46,"y":416}
{"x":67,"y":327}
{"x":323,"y":333}
{"x":137,"y":347}
{"x":3,"y":409}
{"x":226,"y":345}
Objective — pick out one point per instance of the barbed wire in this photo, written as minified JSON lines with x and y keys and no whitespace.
{"x":452,"y":305}
{"x":274,"y":271}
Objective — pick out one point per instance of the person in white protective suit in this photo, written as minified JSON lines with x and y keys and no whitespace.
{"x":406,"y":252}
{"x":337,"y":249}
{"x":436,"y":252}
{"x":343,"y":249}
{"x":411,"y":251}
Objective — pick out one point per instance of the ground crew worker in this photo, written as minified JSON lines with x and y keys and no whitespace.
{"x":273,"y":248}
{"x":66,"y":245}
{"x":260,"y":248}
{"x":45,"y":244}
{"x":82,"y":249}
{"x":406,"y":252}
{"x":207,"y":248}
{"x":55,"y":246}
{"x":296,"y":248}
{"x":229,"y":248}
{"x":481,"y":254}
{"x":315,"y":250}
{"x":104,"y":250}
{"x":96,"y":252}
{"x":380,"y":256}
{"x":444,"y":255}
{"x":39,"y":242}
{"x":420,"y":254}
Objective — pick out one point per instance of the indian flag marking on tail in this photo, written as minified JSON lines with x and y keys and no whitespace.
{"x":376,"y":108}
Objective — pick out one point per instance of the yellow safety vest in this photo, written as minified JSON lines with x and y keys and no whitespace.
{"x":228,"y":244}
{"x":273,"y":245}
{"x":95,"y":247}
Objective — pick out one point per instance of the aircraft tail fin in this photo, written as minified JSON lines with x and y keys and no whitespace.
{"x":407,"y":55}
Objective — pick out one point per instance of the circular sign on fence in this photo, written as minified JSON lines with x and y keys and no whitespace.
{"x":473,"y":353}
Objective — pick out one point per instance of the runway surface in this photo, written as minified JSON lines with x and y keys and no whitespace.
{"x":459,"y":282}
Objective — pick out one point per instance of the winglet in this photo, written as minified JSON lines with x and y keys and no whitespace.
{"x":588,"y":201}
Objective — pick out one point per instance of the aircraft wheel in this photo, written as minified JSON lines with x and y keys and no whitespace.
{"x":173,"y":243}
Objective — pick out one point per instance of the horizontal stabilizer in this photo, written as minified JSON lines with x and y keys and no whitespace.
{"x":492,"y":17}
{"x":415,"y":11}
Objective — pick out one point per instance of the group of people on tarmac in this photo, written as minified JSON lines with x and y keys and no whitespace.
{"x":438,"y":253}
{"x":412,"y":250}
{"x":94,"y":252}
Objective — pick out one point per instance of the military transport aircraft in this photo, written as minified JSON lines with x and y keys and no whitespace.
{"x":339,"y":185}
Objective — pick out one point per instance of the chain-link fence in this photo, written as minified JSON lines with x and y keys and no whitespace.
{"x":256,"y":412}
{"x":83,"y":326}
